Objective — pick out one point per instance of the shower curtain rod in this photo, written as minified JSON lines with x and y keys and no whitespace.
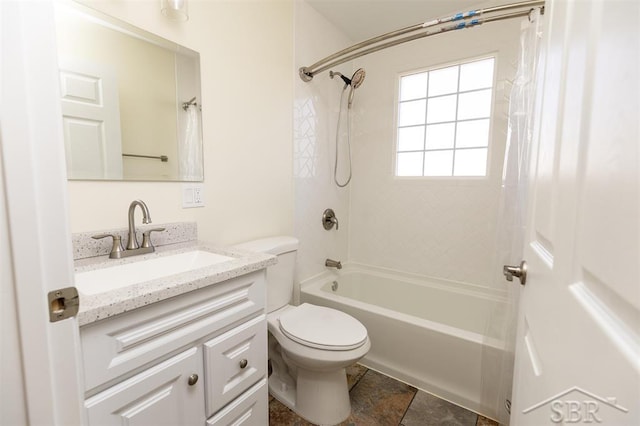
{"x":459,"y":19}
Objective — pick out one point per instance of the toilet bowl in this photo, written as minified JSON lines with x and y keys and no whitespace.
{"x":309,"y":346}
{"x":308,"y":363}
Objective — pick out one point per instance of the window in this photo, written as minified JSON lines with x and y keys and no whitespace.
{"x":443,"y":120}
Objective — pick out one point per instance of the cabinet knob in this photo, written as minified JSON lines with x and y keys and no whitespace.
{"x":193,"y":379}
{"x":243,"y":363}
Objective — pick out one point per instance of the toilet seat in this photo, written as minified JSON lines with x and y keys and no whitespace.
{"x":322,"y":328}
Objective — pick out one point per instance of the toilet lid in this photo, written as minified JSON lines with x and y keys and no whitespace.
{"x":323,"y":328}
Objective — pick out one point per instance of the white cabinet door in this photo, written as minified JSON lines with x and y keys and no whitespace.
{"x":158,"y":396}
{"x":578,"y":348}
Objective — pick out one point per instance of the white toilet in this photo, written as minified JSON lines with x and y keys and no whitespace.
{"x":309,"y":346}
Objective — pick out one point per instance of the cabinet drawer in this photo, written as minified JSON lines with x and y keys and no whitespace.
{"x":160,"y":395}
{"x":118,"y":345}
{"x":234,"y":361}
{"x":249,"y":409}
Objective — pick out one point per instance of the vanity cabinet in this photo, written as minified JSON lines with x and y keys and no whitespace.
{"x":194,"y":359}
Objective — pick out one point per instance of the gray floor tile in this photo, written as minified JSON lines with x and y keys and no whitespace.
{"x":379,"y":400}
{"x":428,"y":410}
{"x":280,"y":415}
{"x":354,"y":374}
{"x":483,"y":421}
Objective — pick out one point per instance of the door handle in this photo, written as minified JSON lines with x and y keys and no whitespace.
{"x":519,"y":272}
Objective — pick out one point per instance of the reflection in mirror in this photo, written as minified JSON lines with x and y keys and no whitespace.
{"x":130,"y":100}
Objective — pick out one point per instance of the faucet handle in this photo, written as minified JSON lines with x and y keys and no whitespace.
{"x":116,"y":248}
{"x":146,"y":237}
{"x":329,"y":219}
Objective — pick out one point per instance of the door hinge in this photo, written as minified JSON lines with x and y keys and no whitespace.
{"x":63,"y":303}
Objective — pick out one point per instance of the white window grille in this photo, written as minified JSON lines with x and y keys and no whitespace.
{"x":444,"y":118}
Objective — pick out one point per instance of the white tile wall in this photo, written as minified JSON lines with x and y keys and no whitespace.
{"x":439,"y":228}
{"x":315,"y":113}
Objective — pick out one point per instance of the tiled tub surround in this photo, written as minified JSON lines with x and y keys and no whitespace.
{"x":442,"y":227}
{"x":99,"y":306}
{"x":315,"y":113}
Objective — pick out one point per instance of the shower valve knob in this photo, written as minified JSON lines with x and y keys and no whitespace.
{"x":329,"y":219}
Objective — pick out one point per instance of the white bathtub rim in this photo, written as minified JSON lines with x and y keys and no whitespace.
{"x":476,"y":290}
{"x":315,"y":289}
{"x":469,"y":289}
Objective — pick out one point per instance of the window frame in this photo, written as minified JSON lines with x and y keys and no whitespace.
{"x":494,"y":92}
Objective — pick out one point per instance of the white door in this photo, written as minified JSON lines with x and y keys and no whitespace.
{"x":578,"y":348}
{"x":91,"y":120}
{"x":39,"y":242}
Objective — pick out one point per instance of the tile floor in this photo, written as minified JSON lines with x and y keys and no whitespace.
{"x":380,"y":400}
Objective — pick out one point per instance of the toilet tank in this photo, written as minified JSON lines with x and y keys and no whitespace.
{"x":280,"y":275}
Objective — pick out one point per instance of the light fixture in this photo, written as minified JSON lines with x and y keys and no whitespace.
{"x":176,"y":10}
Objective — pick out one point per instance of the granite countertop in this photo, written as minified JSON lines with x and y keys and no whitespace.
{"x":95,"y":307}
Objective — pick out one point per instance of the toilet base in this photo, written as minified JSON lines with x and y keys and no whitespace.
{"x":310,"y":381}
{"x":319,"y":397}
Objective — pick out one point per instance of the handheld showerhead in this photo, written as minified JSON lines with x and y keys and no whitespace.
{"x":357,"y":78}
{"x":355,"y":81}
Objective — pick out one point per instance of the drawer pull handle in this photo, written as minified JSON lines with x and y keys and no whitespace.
{"x":243,"y":363}
{"x":193,"y":379}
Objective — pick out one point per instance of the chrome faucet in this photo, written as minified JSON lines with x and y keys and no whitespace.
{"x":132,"y":244}
{"x":133,"y":248}
{"x":330,"y":263}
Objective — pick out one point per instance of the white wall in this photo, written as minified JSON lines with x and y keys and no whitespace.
{"x":315,"y":113}
{"x":439,"y":227}
{"x":246,"y":60}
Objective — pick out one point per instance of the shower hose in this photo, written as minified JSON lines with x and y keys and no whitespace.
{"x":335,"y":166}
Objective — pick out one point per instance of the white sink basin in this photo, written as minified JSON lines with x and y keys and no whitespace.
{"x":114,"y":277}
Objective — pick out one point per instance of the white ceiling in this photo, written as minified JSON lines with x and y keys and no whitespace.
{"x":362,"y":19}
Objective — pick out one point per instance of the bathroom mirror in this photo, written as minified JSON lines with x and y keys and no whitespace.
{"x":130,"y":100}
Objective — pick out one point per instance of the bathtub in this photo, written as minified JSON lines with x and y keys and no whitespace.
{"x":427,"y":333}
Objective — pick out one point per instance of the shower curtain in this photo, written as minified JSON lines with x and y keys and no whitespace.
{"x":190,"y":147}
{"x":497,"y":365}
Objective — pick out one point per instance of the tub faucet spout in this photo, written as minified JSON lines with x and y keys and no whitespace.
{"x":330,"y":263}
